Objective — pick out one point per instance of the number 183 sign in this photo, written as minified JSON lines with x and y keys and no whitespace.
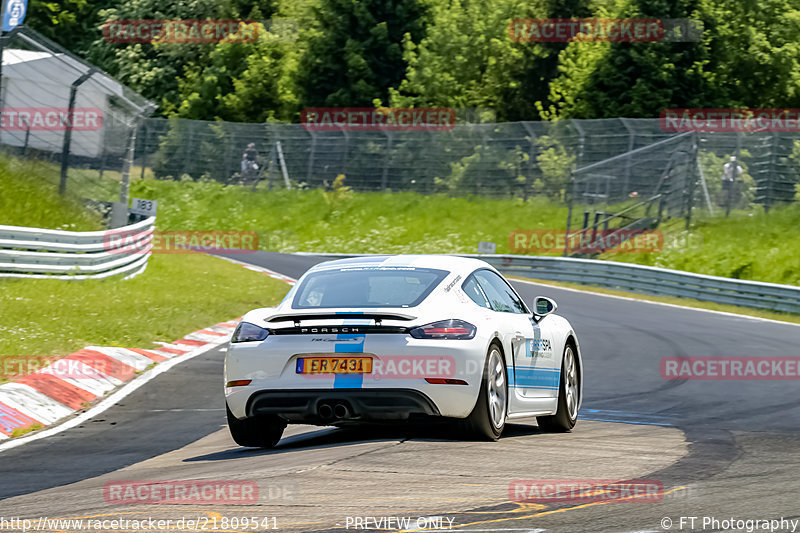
{"x":144,"y":207}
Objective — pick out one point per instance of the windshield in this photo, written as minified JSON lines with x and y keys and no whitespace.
{"x":367,"y":287}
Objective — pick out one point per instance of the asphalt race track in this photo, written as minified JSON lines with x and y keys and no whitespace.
{"x":721,"y":449}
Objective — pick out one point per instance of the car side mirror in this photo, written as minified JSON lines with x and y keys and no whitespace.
{"x":543,"y":306}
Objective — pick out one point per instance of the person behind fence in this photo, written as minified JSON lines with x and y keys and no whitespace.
{"x":249,"y":163}
{"x":730,"y":173}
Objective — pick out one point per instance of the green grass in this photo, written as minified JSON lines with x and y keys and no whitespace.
{"x":346,"y":222}
{"x":755,"y":246}
{"x":758,"y":246}
{"x":29,"y":197}
{"x":176,"y":295}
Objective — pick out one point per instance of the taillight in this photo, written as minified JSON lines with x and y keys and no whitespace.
{"x":444,"y":329}
{"x":246,"y":332}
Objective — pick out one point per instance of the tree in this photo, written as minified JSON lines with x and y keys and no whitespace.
{"x":154,"y":69}
{"x":748,"y":57}
{"x":248,"y":82}
{"x":70,"y":23}
{"x":355,"y":53}
{"x":469,"y":58}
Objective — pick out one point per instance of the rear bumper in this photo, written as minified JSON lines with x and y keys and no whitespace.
{"x":303,"y":405}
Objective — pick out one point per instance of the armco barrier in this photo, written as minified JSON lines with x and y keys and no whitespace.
{"x":75,"y":255}
{"x":644,"y":280}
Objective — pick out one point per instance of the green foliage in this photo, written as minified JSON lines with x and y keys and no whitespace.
{"x":70,"y":23}
{"x":468,"y":58}
{"x":450,"y":53}
{"x":338,"y":193}
{"x":354,"y":54}
{"x":467,"y":175}
{"x":555,"y":166}
{"x":154,"y":69}
{"x":748,"y":57}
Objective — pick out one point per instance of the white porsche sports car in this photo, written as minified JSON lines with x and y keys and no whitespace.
{"x":384,"y":338}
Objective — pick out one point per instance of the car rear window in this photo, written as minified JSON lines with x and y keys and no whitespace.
{"x":367,"y":287}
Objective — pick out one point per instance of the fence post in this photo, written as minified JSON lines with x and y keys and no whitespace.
{"x":692,"y":180}
{"x":312,"y":154}
{"x":631,"y":136}
{"x":570,"y":193}
{"x":531,"y":156}
{"x":387,"y":157}
{"x":73,"y":92}
{"x":146,"y":136}
{"x":346,"y":151}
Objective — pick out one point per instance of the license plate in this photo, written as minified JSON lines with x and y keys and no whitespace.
{"x":334,"y":365}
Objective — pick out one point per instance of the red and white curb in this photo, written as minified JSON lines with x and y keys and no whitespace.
{"x":70,"y":384}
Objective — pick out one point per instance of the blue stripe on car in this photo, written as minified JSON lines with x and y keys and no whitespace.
{"x":537,"y":378}
{"x":350,"y":381}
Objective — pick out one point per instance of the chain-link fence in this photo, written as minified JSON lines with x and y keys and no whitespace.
{"x":74,"y":122}
{"x":510,"y":159}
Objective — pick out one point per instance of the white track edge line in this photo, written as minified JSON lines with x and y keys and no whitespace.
{"x":106,"y":403}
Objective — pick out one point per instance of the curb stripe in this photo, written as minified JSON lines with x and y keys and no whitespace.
{"x":63,"y":392}
{"x":150,"y":354}
{"x":210,"y":332}
{"x":205,"y":338}
{"x":134,"y":360}
{"x":170,"y":352}
{"x":83,"y":376}
{"x":11,"y":419}
{"x":33,"y":403}
{"x":190,"y":342}
{"x":104,"y":364}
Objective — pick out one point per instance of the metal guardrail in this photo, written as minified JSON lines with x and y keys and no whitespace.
{"x":644,"y":280}
{"x":75,"y":255}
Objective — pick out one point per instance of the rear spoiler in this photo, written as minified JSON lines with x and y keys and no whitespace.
{"x":297,"y":317}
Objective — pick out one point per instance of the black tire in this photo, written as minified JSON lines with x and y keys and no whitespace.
{"x":256,"y":432}
{"x":564,"y":420}
{"x":492,"y":405}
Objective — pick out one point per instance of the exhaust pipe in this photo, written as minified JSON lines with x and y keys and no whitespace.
{"x":325,"y":410}
{"x":341,"y":410}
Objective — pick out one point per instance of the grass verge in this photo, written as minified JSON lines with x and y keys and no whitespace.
{"x":29,"y":197}
{"x":346,"y":222}
{"x":176,"y":295}
{"x":755,"y":246}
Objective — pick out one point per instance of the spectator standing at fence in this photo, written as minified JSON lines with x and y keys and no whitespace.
{"x":250,"y":164}
{"x":731,"y":171}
